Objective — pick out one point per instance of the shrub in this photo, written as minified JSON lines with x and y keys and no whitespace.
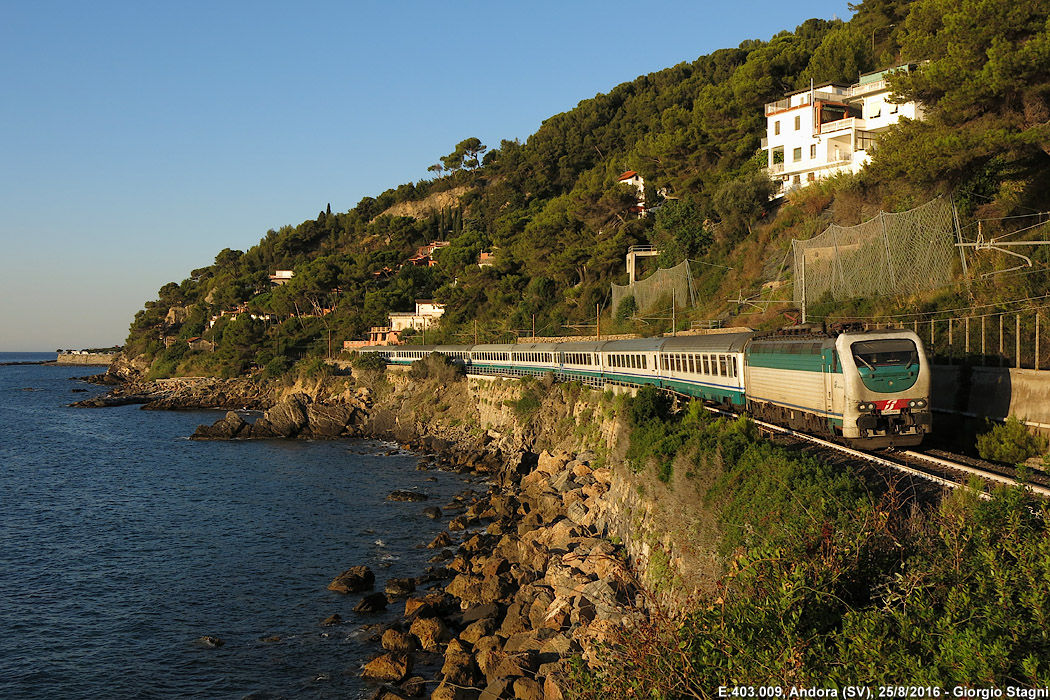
{"x":368,"y":361}
{"x":1010,"y":443}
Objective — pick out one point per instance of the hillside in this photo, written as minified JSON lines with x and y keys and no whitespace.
{"x":559,"y":222}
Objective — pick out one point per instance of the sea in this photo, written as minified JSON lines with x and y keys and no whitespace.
{"x":123,"y":543}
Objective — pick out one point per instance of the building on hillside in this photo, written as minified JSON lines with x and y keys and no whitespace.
{"x":486,"y":259}
{"x":425,"y":316}
{"x":424,"y":256}
{"x":282,"y":277}
{"x":377,"y":335}
{"x":633,"y":179}
{"x":830,"y":129}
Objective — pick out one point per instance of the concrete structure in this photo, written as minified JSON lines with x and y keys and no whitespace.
{"x":426,"y":315}
{"x":829,"y":129}
{"x":635,"y":252}
{"x":993,"y":392}
{"x":282,"y":277}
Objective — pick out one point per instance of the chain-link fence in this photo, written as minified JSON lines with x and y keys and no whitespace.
{"x":890,"y":254}
{"x":674,"y":283}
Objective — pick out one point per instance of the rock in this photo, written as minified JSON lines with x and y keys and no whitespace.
{"x":432,"y":512}
{"x":398,"y":641}
{"x":373,"y":602}
{"x":442,"y":540}
{"x":353,"y":580}
{"x":332,"y":620}
{"x":459,"y":667}
{"x":401,"y":495}
{"x":459,"y":523}
{"x":390,"y":667}
{"x":388,"y":692}
{"x":431,"y":632}
{"x":527,"y":689}
{"x":287,"y":419}
{"x":414,"y":686}
{"x":449,"y":691}
{"x":484,"y":627}
{"x":430,"y":605}
{"x":327,"y":421}
{"x":553,"y":686}
{"x":514,"y":622}
{"x":272,"y":639}
{"x":228,"y":428}
{"x":210,"y":641}
{"x":400,"y":587}
{"x":498,"y":689}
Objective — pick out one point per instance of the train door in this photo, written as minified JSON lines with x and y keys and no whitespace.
{"x":828,"y":370}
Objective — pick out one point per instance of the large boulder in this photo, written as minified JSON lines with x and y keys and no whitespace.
{"x":353,"y":580}
{"x":328,"y":421}
{"x":390,"y":667}
{"x":227,"y":428}
{"x":287,"y":419}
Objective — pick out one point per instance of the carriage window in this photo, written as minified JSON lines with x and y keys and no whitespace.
{"x":645,"y":362}
{"x":692,"y":365}
{"x":722,"y":370}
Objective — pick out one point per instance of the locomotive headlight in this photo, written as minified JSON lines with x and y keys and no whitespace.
{"x":865,"y":407}
{"x":917,"y":403}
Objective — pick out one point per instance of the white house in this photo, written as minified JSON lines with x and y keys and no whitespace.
{"x":426,"y":315}
{"x":831,"y":128}
{"x":282,"y":277}
{"x":635,"y":180}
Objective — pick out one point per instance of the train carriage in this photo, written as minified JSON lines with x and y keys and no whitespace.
{"x":709,"y":367}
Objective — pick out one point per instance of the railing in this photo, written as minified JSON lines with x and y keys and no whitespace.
{"x":1015,"y":340}
{"x":642,"y":249}
{"x":846,"y":124}
{"x":868,"y":87}
{"x":776,"y":168}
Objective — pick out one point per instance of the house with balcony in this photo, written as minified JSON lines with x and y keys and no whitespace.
{"x":426,"y":315}
{"x":830,"y":129}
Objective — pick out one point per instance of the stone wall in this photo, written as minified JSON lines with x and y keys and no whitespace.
{"x":102,"y":359}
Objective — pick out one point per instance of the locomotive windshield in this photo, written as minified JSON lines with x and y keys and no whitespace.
{"x":896,"y":352}
{"x":887,"y":365}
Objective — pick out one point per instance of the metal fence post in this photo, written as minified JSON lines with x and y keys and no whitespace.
{"x":1017,"y":340}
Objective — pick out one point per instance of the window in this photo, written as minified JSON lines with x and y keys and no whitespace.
{"x":707,"y":365}
{"x":722,"y":370}
{"x":776,"y":128}
{"x":811,"y":177}
{"x":692,"y":366}
{"x":798,"y":122}
{"x":812,"y":150}
{"x":796,"y":155}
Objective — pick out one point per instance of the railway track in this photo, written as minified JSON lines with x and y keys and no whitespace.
{"x":947,"y":471}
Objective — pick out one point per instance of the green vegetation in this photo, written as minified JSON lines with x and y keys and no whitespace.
{"x":1010,"y":442}
{"x":828,"y":581}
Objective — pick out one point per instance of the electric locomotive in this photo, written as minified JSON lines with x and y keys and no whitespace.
{"x":870,"y":388}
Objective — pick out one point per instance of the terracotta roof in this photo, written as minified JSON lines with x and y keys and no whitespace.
{"x":627,"y":175}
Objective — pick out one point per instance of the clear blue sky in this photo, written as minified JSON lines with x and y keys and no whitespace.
{"x":137,"y":139}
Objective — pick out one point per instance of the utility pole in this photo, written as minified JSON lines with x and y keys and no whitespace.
{"x":598,"y":320}
{"x":475,"y":331}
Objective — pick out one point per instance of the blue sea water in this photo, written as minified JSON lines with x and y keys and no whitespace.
{"x":122,"y":543}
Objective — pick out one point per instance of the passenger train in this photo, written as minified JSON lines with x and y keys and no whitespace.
{"x":870,"y":389}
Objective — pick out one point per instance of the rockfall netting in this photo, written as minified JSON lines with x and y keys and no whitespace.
{"x":671,"y":283}
{"x":891,"y":254}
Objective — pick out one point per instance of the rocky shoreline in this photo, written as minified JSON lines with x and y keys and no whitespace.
{"x":530,"y":585}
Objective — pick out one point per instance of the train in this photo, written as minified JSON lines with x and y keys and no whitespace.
{"x":866,"y":388}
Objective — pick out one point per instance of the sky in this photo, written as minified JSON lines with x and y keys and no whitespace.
{"x":138,"y":139}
